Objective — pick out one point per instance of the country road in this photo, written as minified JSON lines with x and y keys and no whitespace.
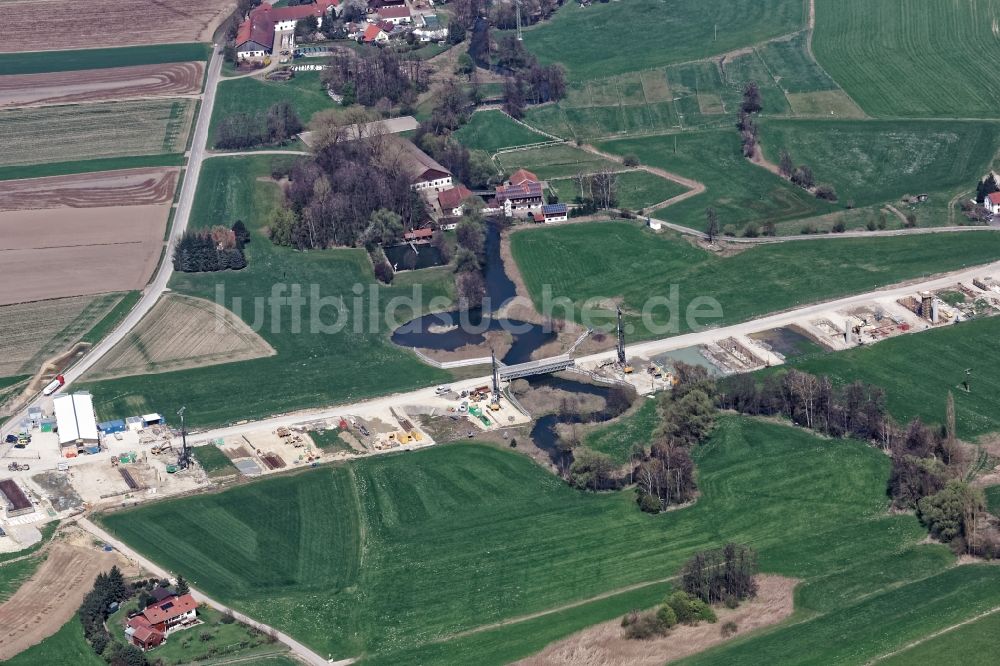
{"x":182,"y":215}
{"x":300,"y":650}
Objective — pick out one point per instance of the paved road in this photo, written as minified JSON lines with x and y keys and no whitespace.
{"x":300,"y":650}
{"x":182,"y":215}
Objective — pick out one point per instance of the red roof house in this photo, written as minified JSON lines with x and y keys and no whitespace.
{"x":451,"y":200}
{"x":521,"y":177}
{"x":255,"y":36}
{"x":395,"y":14}
{"x":373,"y":33}
{"x":418,"y":235}
{"x":142,"y":634}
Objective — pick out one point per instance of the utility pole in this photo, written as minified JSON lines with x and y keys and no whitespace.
{"x":517,"y":9}
{"x":182,"y":460}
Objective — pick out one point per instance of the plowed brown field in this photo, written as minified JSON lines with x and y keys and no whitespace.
{"x":51,"y":597}
{"x":90,"y":85}
{"x":128,"y":187}
{"x":43,"y":24}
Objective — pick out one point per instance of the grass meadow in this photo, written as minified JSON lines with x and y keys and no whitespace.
{"x":877,"y":161}
{"x":917,"y":371}
{"x":40,"y":62}
{"x":213,"y":461}
{"x":913,"y":58}
{"x":963,"y":645}
{"x":87,"y":166}
{"x":252,"y":95}
{"x":558,"y":161}
{"x":66,"y":646}
{"x":492,"y":131}
{"x":589,"y":41}
{"x":616,"y":439}
{"x":599,"y":260}
{"x":391,"y":566}
{"x":310,"y":368}
{"x":636,"y":189}
{"x":739,"y":191}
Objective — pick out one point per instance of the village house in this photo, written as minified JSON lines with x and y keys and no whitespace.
{"x":419,"y":236}
{"x":452,"y":201}
{"x":992,"y":203}
{"x":395,"y":15}
{"x":374,"y":34}
{"x":255,"y":36}
{"x":168,"y":613}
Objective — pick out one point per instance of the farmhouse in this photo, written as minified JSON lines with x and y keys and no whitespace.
{"x":419,"y":236}
{"x":76,"y":423}
{"x":452,"y":201}
{"x":167,"y":614}
{"x":425,"y":173}
{"x":17,"y":503}
{"x":255,"y":36}
{"x":992,"y":203}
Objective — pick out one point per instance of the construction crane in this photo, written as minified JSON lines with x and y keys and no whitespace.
{"x":626,"y":368}
{"x":183,"y":458}
{"x":496,"y":381}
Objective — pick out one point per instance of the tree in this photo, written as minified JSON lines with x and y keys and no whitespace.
{"x":513,"y":97}
{"x":471,"y":289}
{"x":950,"y":513}
{"x":182,"y":586}
{"x":803,"y":177}
{"x":785,"y":165}
{"x":381,"y":266}
{"x":725,"y":573}
{"x":384,"y":228}
{"x":712,"y":224}
{"x":752,"y":102}
{"x":826,"y":192}
{"x":471,"y":235}
{"x":241,"y":234}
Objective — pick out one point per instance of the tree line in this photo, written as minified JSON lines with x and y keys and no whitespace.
{"x":279,"y":124}
{"x":208,"y":250}
{"x":929,"y":466}
{"x":110,"y":588}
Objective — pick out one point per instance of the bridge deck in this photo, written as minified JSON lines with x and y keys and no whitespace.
{"x":540,"y":367}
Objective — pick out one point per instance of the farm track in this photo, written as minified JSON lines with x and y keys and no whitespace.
{"x":129,"y":187}
{"x":300,"y":650}
{"x":99,"y":85}
{"x":934,"y":635}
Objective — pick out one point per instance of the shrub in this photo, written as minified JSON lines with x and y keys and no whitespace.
{"x":751,"y":230}
{"x":205,"y":636}
{"x":871,"y":226}
{"x":911,"y":221}
{"x":732,"y":602}
{"x":826,"y":193}
{"x":666,"y":616}
{"x":227,"y":618}
{"x":729,"y":230}
{"x":631,"y":161}
{"x":644,"y":627}
{"x":728,"y":629}
{"x":649,"y":503}
{"x":809,"y":229}
{"x":839,"y":227}
{"x":690,"y":610}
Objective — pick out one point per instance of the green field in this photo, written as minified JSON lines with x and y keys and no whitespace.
{"x":87,"y":166}
{"x":310,"y":368}
{"x":592,"y":42}
{"x":599,"y":260}
{"x":917,"y":371}
{"x":39,"y":62}
{"x":967,"y":644}
{"x":492,"y":131}
{"x":329,"y":440}
{"x":392,"y":566}
{"x":14,"y":574}
{"x":878,"y":161}
{"x":616,"y":439}
{"x":66,"y":647}
{"x":913,"y":58}
{"x":110,"y":320}
{"x":559,"y":161}
{"x":739,"y":191}
{"x":252,"y":95}
{"x":636,"y":189}
{"x":213,"y":461}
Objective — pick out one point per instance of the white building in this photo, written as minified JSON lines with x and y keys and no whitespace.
{"x":75,"y":419}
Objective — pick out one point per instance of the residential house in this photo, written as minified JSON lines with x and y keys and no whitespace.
{"x":555,"y":212}
{"x":373,"y":34}
{"x":168,"y":613}
{"x":452,"y":201}
{"x":520,"y":196}
{"x":992,"y":203}
{"x":419,"y":236}
{"x":522,"y":177}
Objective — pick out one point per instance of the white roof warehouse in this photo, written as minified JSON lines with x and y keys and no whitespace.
{"x":75,"y":419}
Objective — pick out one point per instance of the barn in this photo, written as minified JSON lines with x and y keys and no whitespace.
{"x":75,"y":420}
